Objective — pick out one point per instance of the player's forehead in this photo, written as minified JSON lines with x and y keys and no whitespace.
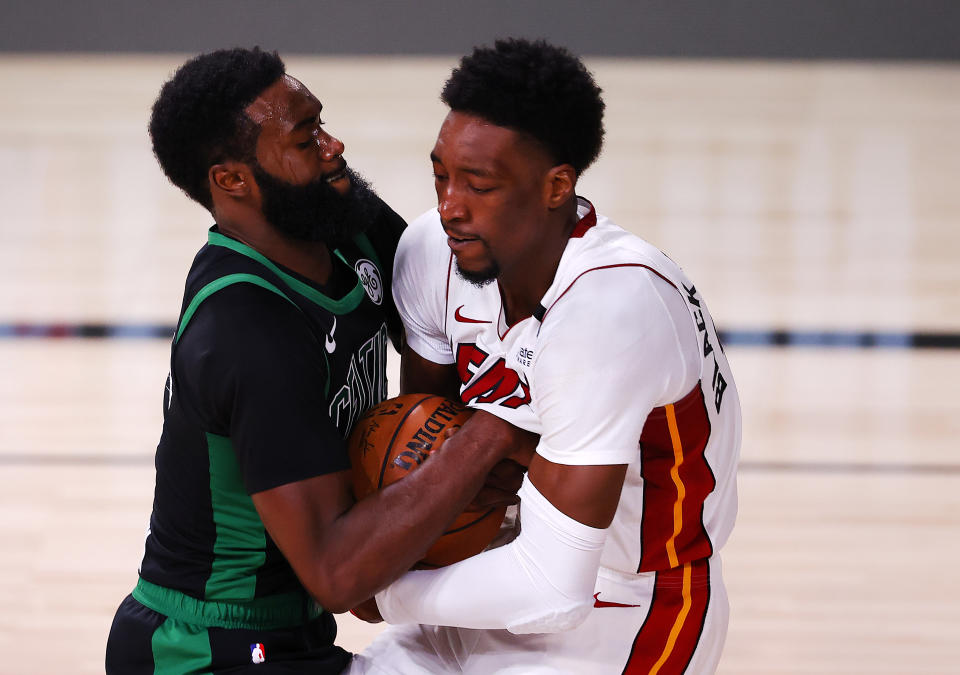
{"x":470,"y":141}
{"x":283,"y":106}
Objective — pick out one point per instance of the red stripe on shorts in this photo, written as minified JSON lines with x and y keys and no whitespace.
{"x":669,"y":635}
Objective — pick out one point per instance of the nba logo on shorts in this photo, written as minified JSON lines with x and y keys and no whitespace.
{"x":257,"y":653}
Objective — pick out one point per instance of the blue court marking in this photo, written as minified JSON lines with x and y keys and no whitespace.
{"x":841,"y":339}
{"x":87,"y":330}
{"x":819,"y":339}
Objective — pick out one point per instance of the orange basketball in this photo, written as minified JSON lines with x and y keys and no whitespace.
{"x":394,"y":438}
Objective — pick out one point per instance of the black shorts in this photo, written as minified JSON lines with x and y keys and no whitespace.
{"x":145,"y":642}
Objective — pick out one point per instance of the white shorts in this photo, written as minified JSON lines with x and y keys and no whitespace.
{"x":668,"y":622}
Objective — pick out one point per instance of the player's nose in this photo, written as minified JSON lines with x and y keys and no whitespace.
{"x":330,"y":146}
{"x":450,"y":205}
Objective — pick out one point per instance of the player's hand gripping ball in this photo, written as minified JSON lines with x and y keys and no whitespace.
{"x":394,"y":438}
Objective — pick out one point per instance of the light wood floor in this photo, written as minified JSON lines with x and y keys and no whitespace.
{"x":797,"y":196}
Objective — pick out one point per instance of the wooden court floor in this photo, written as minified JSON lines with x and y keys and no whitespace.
{"x":818,"y":198}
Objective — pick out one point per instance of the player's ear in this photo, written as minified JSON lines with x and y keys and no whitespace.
{"x":232,"y":178}
{"x":560,"y":185}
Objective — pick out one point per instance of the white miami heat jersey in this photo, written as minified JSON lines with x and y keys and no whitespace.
{"x":621,"y":365}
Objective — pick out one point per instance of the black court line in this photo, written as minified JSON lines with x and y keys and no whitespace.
{"x":820,"y":339}
{"x":902,"y":468}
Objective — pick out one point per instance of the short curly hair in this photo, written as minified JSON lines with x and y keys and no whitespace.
{"x":536,"y":88}
{"x":198,"y":118}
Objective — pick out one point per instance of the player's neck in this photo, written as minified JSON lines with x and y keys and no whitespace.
{"x":523,"y":286}
{"x":310,"y":259}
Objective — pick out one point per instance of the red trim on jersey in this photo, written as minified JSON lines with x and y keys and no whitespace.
{"x":597,"y":602}
{"x":676,"y":481}
{"x":585,"y":223}
{"x":446,"y":295}
{"x":501,"y":313}
{"x":668,"y":637}
{"x":605,"y":267}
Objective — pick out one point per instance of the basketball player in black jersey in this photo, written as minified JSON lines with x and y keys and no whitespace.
{"x":255,"y":538}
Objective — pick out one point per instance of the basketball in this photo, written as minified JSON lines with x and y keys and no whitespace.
{"x":397,"y":436}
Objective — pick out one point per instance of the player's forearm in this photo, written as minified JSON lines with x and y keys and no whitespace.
{"x":543,"y":581}
{"x":385,"y":534}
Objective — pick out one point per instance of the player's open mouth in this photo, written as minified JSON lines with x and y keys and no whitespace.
{"x":334,"y":177}
{"x":456,"y":243}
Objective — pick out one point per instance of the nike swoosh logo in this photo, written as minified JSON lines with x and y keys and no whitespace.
{"x":464,"y":319}
{"x":597,"y":602}
{"x":331,"y":343}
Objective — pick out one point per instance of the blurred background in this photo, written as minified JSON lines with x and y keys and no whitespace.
{"x":799,"y":158}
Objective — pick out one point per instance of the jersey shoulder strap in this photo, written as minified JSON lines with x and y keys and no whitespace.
{"x":219,"y":284}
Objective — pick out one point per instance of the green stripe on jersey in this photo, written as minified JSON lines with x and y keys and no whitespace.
{"x":218,"y":284}
{"x":229,"y":280}
{"x":179,"y":648}
{"x":240,"y":547}
{"x":344,"y":305}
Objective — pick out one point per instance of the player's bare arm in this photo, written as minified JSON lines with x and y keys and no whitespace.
{"x":588,"y":494}
{"x":345,"y":551}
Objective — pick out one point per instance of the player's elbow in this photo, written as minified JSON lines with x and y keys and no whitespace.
{"x":338,"y":589}
{"x":335,"y":604}
{"x":555,"y":613}
{"x":340,"y":593}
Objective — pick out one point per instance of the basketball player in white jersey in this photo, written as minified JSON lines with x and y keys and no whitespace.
{"x":520,"y":299}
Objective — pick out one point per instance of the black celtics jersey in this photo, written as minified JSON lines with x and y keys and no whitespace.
{"x":269,"y":372}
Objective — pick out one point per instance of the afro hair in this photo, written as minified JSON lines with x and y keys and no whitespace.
{"x":198,"y":118}
{"x":535,"y":88}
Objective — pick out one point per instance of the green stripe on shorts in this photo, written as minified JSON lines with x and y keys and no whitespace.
{"x":180,"y":648}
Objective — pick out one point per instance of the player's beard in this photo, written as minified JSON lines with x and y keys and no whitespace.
{"x":316,"y":211}
{"x":480,"y":278}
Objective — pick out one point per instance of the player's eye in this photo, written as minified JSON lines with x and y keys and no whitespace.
{"x":313,"y":135}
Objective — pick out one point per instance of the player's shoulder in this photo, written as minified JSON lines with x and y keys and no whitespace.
{"x":610,"y":244}
{"x":609,"y":261}
{"x":425,"y":229}
{"x":235,"y":293}
{"x":611,"y":280}
{"x":385,"y":229}
{"x":246,"y":310}
{"x":423,"y":242}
